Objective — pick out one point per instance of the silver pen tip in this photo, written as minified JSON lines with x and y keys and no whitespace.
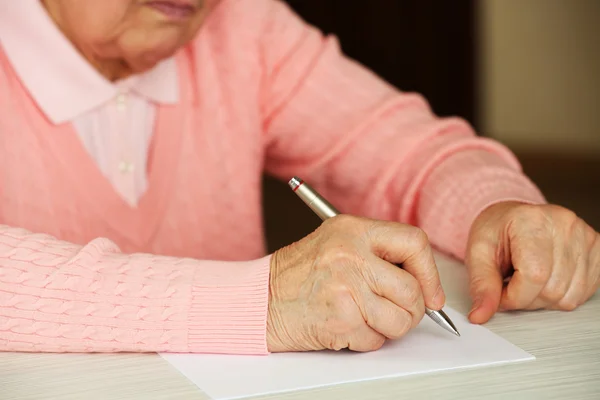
{"x":295,"y":182}
{"x":444,"y":321}
{"x":450,"y":327}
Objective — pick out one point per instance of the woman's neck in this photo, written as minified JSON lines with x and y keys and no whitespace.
{"x":111,"y":69}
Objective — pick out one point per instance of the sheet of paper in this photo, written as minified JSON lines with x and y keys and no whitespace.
{"x":426,"y":349}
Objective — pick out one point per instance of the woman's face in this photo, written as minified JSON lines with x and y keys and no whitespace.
{"x":127,"y":35}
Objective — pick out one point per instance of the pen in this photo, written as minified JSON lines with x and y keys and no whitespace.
{"x":325,"y":210}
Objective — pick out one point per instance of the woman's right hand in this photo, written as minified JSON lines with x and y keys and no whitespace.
{"x":338,"y":288}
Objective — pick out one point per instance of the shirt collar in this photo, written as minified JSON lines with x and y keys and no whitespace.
{"x":60,"y":80}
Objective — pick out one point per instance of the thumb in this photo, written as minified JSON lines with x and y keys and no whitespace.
{"x":485,"y":282}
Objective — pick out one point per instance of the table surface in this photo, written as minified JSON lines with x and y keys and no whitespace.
{"x":566,"y":346}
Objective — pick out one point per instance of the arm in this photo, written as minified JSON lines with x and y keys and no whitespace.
{"x":370,"y":148}
{"x":60,"y":297}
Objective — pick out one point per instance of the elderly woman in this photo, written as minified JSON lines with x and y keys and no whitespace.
{"x":133,"y":138}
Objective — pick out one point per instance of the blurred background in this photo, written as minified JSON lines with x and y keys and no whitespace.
{"x":524,"y":72}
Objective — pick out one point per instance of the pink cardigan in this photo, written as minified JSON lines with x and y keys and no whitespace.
{"x":81,"y":270}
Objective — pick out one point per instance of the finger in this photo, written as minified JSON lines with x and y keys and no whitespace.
{"x":573,"y":297}
{"x":568,"y":272}
{"x":386,"y":317}
{"x":396,"y":285}
{"x":533,"y":260}
{"x":593,"y":289}
{"x":561,"y":281}
{"x":593,"y":266}
{"x":364,"y":339}
{"x":485,"y":281}
{"x":581,"y":284}
{"x":409,"y":246}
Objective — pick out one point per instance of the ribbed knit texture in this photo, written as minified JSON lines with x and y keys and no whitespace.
{"x":186,"y":270}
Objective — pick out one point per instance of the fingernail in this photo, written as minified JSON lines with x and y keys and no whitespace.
{"x":438,"y":292}
{"x":476,"y":304}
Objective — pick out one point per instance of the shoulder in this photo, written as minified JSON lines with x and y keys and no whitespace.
{"x":244,"y":42}
{"x":253,"y":15}
{"x":253,"y":22}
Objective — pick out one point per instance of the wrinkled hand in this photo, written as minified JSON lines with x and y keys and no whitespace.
{"x":551,"y":256}
{"x":337,"y":288}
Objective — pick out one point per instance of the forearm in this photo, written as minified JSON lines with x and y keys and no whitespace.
{"x":457,"y":183}
{"x":372,"y":149}
{"x":60,"y":297}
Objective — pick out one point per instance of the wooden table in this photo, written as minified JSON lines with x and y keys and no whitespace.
{"x":566,"y":345}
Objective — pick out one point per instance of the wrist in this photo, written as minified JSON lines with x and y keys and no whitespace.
{"x":275,"y":334}
{"x":500,"y":206}
{"x":461,"y":190}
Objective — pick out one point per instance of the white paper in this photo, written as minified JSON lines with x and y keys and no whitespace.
{"x":427,"y":348}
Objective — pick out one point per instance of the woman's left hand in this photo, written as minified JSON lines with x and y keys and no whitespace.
{"x":552,"y":255}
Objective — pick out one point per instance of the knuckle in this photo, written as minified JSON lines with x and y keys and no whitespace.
{"x":418,"y":316}
{"x":594,"y":288}
{"x":412,"y":291}
{"x":556,"y":210}
{"x":537,"y":274}
{"x":404,"y":324}
{"x":567,"y":215}
{"x":339,"y":255}
{"x":568,"y":304}
{"x":580,"y":286}
{"x":379,"y":343}
{"x":593,"y":241}
{"x":342,"y":222}
{"x":341,"y":301}
{"x":375,"y":342}
{"x":534,"y":220}
{"x":555,"y":291}
{"x":534,"y":213}
{"x":419,"y":238}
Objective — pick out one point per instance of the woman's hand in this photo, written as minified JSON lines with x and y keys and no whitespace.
{"x":553,"y":256}
{"x":337,"y":288}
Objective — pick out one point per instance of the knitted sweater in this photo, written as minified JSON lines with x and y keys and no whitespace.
{"x":185,"y":270}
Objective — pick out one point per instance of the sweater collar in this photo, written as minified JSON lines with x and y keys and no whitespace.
{"x":60,"y":80}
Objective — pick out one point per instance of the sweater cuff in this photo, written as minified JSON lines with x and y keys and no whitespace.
{"x":463,"y":186}
{"x":229,"y":316}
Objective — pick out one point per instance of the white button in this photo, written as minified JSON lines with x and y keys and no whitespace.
{"x":121,"y":101}
{"x":125,"y":167}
